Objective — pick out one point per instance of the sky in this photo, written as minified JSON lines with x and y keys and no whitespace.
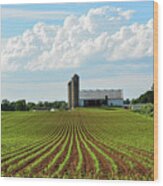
{"x":109,"y":45}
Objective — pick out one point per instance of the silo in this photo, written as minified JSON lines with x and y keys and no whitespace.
{"x":75,"y":91}
{"x":69,"y":94}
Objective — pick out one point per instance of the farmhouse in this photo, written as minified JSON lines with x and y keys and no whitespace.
{"x":92,"y":98}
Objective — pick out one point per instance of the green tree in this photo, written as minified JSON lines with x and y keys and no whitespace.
{"x":47,"y":104}
{"x":13,"y":106}
{"x":30,"y":105}
{"x":127,"y":101}
{"x":21,"y":105}
{"x":147,"y":97}
{"x":40,"y":104}
{"x":5,"y":105}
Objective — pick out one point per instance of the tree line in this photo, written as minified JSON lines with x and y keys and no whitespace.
{"x":22,"y":105}
{"x":147,"y":97}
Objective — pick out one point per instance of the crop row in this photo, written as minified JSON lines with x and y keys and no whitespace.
{"x":72,"y":150}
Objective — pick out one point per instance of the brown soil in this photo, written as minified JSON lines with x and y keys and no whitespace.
{"x":105,"y":166}
{"x":31,"y":160}
{"x":117,"y":157}
{"x":70,"y":167}
{"x":62,"y":157}
{"x":140,"y":152}
{"x":28,"y":148}
{"x":88,"y":168}
{"x":36,"y":170}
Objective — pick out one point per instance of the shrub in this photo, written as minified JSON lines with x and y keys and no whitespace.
{"x":147,"y":109}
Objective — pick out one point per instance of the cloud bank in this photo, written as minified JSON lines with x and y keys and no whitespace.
{"x":31,"y":15}
{"x":101,"y":35}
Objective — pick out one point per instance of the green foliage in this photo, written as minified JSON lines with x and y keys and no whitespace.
{"x":21,"y":105}
{"x":61,"y":166}
{"x":31,"y":105}
{"x":7,"y":106}
{"x":80,"y":155}
{"x":120,"y":125}
{"x":147,"y":109}
{"x":147,"y":97}
{"x":96,"y":162}
{"x":127,"y":101}
{"x":114,"y":166}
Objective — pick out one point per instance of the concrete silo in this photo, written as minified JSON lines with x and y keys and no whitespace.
{"x":69,"y":94}
{"x":75,"y":91}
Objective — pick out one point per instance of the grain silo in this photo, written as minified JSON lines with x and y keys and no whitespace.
{"x":75,"y":91}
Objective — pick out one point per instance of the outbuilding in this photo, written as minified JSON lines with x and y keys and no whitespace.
{"x":107,"y":97}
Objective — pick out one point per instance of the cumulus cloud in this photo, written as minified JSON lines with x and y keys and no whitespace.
{"x":30,"y":15}
{"x":100,"y":34}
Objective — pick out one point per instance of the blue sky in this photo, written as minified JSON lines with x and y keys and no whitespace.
{"x":127,"y":65}
{"x":143,"y":14}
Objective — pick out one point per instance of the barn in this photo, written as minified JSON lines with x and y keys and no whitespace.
{"x":92,"y":98}
{"x":107,"y":97}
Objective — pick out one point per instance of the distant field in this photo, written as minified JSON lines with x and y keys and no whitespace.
{"x":83,"y":143}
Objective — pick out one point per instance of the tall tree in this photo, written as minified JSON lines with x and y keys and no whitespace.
{"x":5,"y":105}
{"x":147,"y":97}
{"x":21,"y":105}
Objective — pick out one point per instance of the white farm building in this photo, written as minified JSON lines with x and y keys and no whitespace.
{"x":109,"y":97}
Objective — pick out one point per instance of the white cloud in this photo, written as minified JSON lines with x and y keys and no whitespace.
{"x":27,"y":14}
{"x":127,"y":14}
{"x":98,"y":35}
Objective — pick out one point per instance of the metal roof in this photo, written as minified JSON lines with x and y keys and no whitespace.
{"x":100,"y":94}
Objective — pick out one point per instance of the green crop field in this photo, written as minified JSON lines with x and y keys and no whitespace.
{"x":83,"y":143}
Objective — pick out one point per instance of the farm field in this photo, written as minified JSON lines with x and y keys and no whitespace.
{"x":83,"y":143}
